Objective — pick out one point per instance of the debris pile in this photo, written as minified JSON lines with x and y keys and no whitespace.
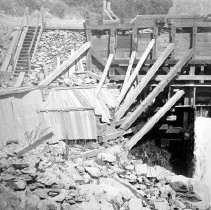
{"x":92,"y":177}
{"x":54,"y":44}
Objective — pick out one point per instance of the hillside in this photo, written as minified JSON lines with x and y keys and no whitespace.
{"x":191,"y":7}
{"x":78,"y":8}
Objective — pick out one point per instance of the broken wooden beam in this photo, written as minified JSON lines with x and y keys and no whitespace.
{"x":159,"y":88}
{"x":149,"y":75}
{"x":116,"y":134}
{"x":135,"y":72}
{"x":128,"y":72}
{"x":20,"y":79}
{"x":66,"y":64}
{"x":10,"y":91}
{"x":105,"y":73}
{"x":34,"y":145}
{"x":149,"y":125}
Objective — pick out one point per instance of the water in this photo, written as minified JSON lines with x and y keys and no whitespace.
{"x":202,"y":150}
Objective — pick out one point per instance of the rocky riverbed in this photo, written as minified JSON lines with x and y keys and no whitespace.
{"x":92,"y":177}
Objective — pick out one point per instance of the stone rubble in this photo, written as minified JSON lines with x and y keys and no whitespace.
{"x":55,"y":47}
{"x":109,"y":180}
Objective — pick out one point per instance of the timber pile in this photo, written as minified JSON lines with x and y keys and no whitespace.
{"x":92,"y":177}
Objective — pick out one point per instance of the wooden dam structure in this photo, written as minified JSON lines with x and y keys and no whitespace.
{"x":160,"y":63}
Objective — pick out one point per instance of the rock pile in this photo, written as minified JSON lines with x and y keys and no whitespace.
{"x":54,"y":45}
{"x":5,"y":39}
{"x":93,"y":177}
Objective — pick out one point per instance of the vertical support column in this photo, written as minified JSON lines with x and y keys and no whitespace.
{"x":155,"y":35}
{"x":112,"y":48}
{"x":193,"y":39}
{"x":202,"y":73}
{"x":89,"y":39}
{"x":172,"y":39}
{"x":104,"y":8}
{"x":191,"y":94}
{"x":112,"y":42}
{"x":134,"y":40}
{"x":42,"y":18}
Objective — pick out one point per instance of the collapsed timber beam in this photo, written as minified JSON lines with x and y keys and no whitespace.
{"x":129,"y":69}
{"x":135,"y":72}
{"x":159,"y":88}
{"x":105,"y":73}
{"x":66,"y":64}
{"x":152,"y":71}
{"x":149,"y":125}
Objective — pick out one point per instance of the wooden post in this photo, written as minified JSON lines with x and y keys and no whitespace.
{"x":155,"y":35}
{"x":193,"y":39}
{"x":172,"y":38}
{"x":135,"y":72}
{"x":88,"y":39}
{"x":150,"y":98}
{"x":149,"y":125}
{"x":149,"y":75}
{"x":66,"y":64}
{"x":112,"y":42}
{"x":105,"y":73}
{"x":134,"y":39}
{"x":20,"y":79}
{"x":128,"y":72}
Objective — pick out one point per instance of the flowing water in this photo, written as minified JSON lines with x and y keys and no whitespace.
{"x":202,"y":150}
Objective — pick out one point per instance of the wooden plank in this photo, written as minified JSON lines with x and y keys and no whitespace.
{"x":128,"y":72}
{"x":35,"y":144}
{"x":149,"y":75}
{"x":193,"y":39}
{"x":161,"y":77}
{"x":135,"y":72}
{"x":89,"y":57}
{"x":116,"y":134}
{"x":20,"y":79}
{"x":168,"y":61}
{"x":155,"y":35}
{"x":150,"y":98}
{"x":10,"y":91}
{"x":105,"y":73}
{"x":112,"y":42}
{"x":66,"y":64}
{"x":150,"y":124}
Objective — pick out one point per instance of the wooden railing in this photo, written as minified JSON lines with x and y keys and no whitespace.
{"x":10,"y":60}
{"x":40,"y":24}
{"x":15,"y":53}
